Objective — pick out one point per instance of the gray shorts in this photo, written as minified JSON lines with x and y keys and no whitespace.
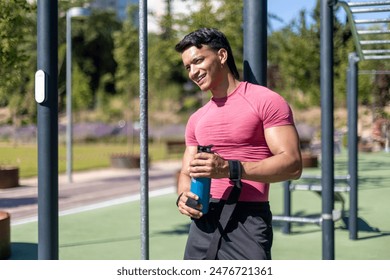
{"x":248,"y":235}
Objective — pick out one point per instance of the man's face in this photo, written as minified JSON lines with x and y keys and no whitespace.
{"x":204,"y":66}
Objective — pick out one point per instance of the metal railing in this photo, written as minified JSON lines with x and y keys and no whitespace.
{"x":377,"y":48}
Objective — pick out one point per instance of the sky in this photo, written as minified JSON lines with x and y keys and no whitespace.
{"x":288,"y":10}
{"x":285,"y":9}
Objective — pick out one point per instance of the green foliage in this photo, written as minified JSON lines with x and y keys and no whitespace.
{"x":92,"y":50}
{"x":106,"y":60}
{"x":81,"y":90}
{"x":295,"y":50}
{"x":127,"y":56}
{"x":17,"y":56}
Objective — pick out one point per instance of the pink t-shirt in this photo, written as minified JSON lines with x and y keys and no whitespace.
{"x":235,"y":125}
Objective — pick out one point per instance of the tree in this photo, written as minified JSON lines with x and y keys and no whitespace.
{"x":92,"y":43}
{"x":81,"y":91}
{"x":127,"y":57}
{"x":17,"y":57}
{"x":296,"y":52}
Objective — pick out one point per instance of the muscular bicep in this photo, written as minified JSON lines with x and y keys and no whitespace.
{"x":283,"y":142}
{"x":284,"y":164}
{"x":283,"y":139}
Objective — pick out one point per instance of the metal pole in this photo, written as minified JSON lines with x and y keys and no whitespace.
{"x":287,"y":206}
{"x":144,"y":164}
{"x":72,"y":12}
{"x":352,"y":91}
{"x":327,"y":135}
{"x":69,"y":124}
{"x":255,"y":41}
{"x":47,"y":51}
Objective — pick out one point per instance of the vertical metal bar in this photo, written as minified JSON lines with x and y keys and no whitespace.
{"x":352,"y":91}
{"x":327,"y":135}
{"x":69,"y":124}
{"x":144,"y":176}
{"x":287,"y":206}
{"x":255,"y":41}
{"x":47,"y":49}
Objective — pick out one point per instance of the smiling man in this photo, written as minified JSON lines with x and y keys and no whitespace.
{"x":254,"y":143}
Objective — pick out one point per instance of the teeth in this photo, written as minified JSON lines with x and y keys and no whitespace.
{"x":200,"y":78}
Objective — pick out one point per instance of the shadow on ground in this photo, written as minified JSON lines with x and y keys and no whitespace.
{"x":24,"y":251}
{"x":362,"y":226}
{"x":16,"y":202}
{"x":180,"y":229}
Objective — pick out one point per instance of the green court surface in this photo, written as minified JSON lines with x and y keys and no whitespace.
{"x":113,"y":233}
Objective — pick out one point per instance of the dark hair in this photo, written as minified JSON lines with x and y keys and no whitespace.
{"x":213,"y":38}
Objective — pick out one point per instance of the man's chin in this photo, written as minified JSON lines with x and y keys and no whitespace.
{"x":204,"y":88}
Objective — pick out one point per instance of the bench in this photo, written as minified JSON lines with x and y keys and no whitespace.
{"x":175,"y":146}
{"x":312,"y":183}
{"x":5,"y":236}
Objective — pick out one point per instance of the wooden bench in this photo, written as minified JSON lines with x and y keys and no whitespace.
{"x":175,"y":147}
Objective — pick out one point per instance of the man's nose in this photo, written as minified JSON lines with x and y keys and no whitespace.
{"x":193,"y":71}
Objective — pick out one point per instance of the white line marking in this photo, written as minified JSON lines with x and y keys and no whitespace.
{"x":112,"y":202}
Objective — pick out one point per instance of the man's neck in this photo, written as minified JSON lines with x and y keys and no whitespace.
{"x":226,"y":87}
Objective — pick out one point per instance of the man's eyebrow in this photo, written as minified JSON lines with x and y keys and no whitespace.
{"x":196,"y":58}
{"x":193,"y":60}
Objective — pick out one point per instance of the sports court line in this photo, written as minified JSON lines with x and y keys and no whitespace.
{"x":112,"y":202}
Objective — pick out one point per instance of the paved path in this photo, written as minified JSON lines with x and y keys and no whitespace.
{"x":88,"y":189}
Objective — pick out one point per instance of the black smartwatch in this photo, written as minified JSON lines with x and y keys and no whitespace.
{"x":235,"y":170}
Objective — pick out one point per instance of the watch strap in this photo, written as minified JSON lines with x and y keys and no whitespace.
{"x":235,"y":170}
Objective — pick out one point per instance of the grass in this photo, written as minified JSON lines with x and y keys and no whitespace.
{"x":114,"y":232}
{"x":85,"y":156}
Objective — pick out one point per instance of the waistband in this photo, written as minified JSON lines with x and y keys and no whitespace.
{"x":250,"y":205}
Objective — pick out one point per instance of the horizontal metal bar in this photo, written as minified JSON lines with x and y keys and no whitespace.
{"x":369,"y":21}
{"x":374,"y":42}
{"x":376,"y":51}
{"x":376,"y":57}
{"x":374,"y":72}
{"x":370,"y":10}
{"x":317,"y":188}
{"x":319,"y":177}
{"x":363,"y":4}
{"x":290,"y":219}
{"x":369,"y":32}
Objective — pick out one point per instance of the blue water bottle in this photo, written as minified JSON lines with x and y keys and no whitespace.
{"x":201,"y":186}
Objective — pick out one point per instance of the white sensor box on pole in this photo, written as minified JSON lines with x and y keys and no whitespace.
{"x":40,"y":86}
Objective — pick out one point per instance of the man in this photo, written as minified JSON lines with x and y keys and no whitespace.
{"x":255,"y":143}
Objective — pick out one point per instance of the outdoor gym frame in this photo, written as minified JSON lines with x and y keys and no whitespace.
{"x":255,"y":70}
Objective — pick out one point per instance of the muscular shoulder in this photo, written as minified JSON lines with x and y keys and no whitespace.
{"x":272,"y":108}
{"x":261,"y":94}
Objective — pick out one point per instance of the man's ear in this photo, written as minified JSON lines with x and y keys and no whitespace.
{"x":223,"y":55}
